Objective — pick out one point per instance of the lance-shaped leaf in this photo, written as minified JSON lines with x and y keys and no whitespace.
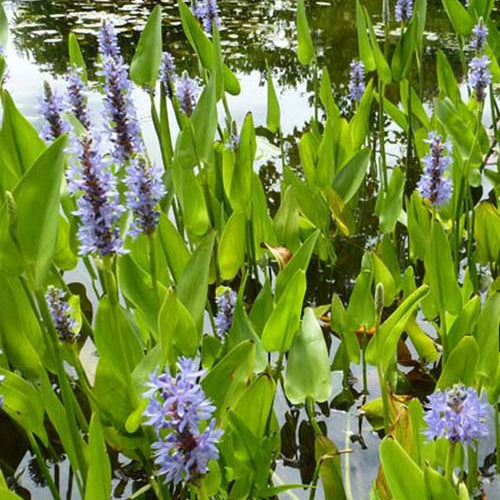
{"x":98,"y":485}
{"x":273,"y":105}
{"x":305,"y":49}
{"x":308,"y":369}
{"x":147,"y":58}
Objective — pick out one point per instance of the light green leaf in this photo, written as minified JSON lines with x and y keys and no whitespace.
{"x":231,"y":251}
{"x":461,"y":364}
{"x":273,"y":105}
{"x":305,"y":49}
{"x":98,"y":486}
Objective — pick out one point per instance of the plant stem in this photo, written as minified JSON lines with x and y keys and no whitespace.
{"x":312,"y":416}
{"x":472,"y":481}
{"x":152,"y":260}
{"x":450,"y":462}
{"x":43,"y":466}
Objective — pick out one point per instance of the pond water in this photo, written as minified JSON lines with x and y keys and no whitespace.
{"x":254,"y":33}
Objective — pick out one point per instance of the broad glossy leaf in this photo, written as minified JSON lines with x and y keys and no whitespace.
{"x":439,"y":488}
{"x":305,"y":49}
{"x":408,"y":485}
{"x":461,"y":364}
{"x":487,"y":337}
{"x":487,"y":232}
{"x":326,"y":95}
{"x":37,"y":212}
{"x":361,"y":307}
{"x":147,"y":58}
{"x":23,"y":403}
{"x":308,"y":368}
{"x":448,"y":86}
{"x":193,"y":285}
{"x":460,"y":19}
{"x":273,"y":105}
{"x":441,"y":272}
{"x":390,"y":203}
{"x":359,"y":125}
{"x":98,"y":485}
{"x":232,"y":244}
{"x":174,"y":247}
{"x":382,"y":348}
{"x":284,"y":321}
{"x":348,"y":180}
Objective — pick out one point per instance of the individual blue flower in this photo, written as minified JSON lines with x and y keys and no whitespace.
{"x":434,"y":184}
{"x":479,"y":76}
{"x":121,"y":118}
{"x":182,"y":418}
{"x":145,"y":189}
{"x":404,"y":10}
{"x":99,"y":208}
{"x":456,"y":414}
{"x":187,"y":93}
{"x":60,"y":312}
{"x":479,"y":35}
{"x":77,"y":96}
{"x":357,"y":81}
{"x":207,"y":12}
{"x":52,"y":107}
{"x":225,"y":301}
{"x":167,"y":72}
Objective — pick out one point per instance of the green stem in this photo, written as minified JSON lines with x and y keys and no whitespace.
{"x":450,"y":462}
{"x":312,"y":416}
{"x":381,"y":127}
{"x":472,"y":477}
{"x":43,"y":466}
{"x":152,"y":260}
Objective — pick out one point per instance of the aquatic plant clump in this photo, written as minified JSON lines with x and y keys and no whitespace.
{"x":182,"y":418}
{"x":357,"y":80}
{"x":99,"y":207}
{"x":145,"y":189}
{"x":403,"y":10}
{"x":52,"y":107}
{"x":456,"y":414}
{"x":121,"y":122}
{"x":60,"y":312}
{"x":434,"y":184}
{"x":479,"y":76}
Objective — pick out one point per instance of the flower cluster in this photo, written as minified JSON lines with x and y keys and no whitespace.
{"x":434,"y":184}
{"x":52,"y":107}
{"x":187,"y":92}
{"x":225,"y":301}
{"x":479,"y":76}
{"x":479,"y":35}
{"x":403,"y":10}
{"x":456,"y":414}
{"x":357,"y":81}
{"x":145,"y":190}
{"x":207,"y":12}
{"x":122,"y":121}
{"x":60,"y":312}
{"x":167,"y":72}
{"x":98,"y":206}
{"x":77,"y":97}
{"x":177,"y":410}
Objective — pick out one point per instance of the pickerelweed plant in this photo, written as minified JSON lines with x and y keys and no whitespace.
{"x":157,"y":248}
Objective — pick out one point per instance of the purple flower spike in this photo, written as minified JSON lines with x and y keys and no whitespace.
{"x":187,"y":93}
{"x":99,"y":208}
{"x":77,"y":97}
{"x":434,"y":184}
{"x":479,"y":76}
{"x":226,"y":301}
{"x":404,"y":10}
{"x":177,"y":409}
{"x":456,"y":414}
{"x":357,"y":80}
{"x":145,"y":190}
{"x":122,"y":122}
{"x":167,"y":73}
{"x":479,"y":35}
{"x":207,"y":12}
{"x":61,"y":314}
{"x":52,"y":106}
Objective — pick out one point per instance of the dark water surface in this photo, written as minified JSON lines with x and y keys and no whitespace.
{"x":254,"y":32}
